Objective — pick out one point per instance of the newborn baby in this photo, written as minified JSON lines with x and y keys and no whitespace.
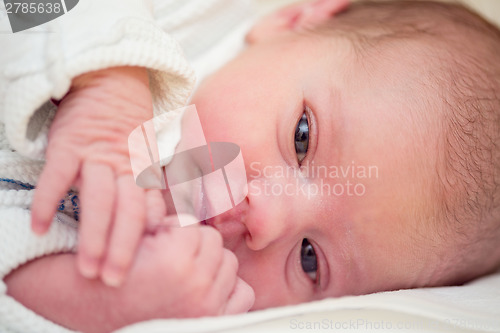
{"x":371,"y":142}
{"x":411,"y":88}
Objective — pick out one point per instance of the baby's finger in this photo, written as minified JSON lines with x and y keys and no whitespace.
{"x":223,"y":282}
{"x":57,"y":176}
{"x":241,"y":300}
{"x":127,"y":231}
{"x":165,"y":225}
{"x":210,"y":256}
{"x":97,"y":199}
{"x":156,"y":209}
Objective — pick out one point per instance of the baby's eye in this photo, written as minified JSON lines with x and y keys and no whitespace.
{"x":309,"y":260}
{"x":302,"y":138}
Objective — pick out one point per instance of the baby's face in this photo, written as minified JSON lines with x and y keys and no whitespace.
{"x":338,"y":170}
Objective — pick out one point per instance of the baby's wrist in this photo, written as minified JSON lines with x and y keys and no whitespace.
{"x":116,"y":91}
{"x":118,"y":75}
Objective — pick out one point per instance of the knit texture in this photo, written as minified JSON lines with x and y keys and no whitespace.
{"x":19,"y":245}
{"x":50,"y":60}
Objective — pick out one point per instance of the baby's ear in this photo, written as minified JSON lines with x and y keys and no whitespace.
{"x":295,"y":17}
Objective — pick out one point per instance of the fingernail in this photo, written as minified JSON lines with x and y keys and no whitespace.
{"x":112,"y":278}
{"x":89,"y":268}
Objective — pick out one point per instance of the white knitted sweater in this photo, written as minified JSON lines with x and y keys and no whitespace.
{"x":38,"y":65}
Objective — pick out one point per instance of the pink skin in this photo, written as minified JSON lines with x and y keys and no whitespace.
{"x":256,"y":102}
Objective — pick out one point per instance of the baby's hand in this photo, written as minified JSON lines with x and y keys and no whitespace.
{"x":185,"y":272}
{"x":88,"y":148}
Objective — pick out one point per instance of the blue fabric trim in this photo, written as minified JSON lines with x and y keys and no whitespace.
{"x":76,"y":208}
{"x":18,"y":183}
{"x":71,"y":196}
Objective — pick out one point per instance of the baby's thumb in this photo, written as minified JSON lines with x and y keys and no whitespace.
{"x":241,"y":299}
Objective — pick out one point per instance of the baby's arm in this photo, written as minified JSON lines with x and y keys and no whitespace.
{"x":52,"y":288}
{"x":178,"y":273}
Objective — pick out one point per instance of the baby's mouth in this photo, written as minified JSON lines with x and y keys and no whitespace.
{"x":201,"y":204}
{"x":208,"y":223}
{"x":231,"y":228}
{"x":230,"y":221}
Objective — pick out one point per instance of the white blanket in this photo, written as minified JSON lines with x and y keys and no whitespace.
{"x":474,"y":307}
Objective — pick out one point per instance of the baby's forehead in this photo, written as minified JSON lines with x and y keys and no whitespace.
{"x":433,"y":45}
{"x":372,"y":23}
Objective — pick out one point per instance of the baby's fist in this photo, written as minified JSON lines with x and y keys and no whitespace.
{"x":186,"y":272}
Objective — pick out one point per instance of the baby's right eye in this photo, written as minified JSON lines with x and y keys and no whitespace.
{"x":302,"y":138}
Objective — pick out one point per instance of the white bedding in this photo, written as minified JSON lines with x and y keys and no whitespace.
{"x":474,"y":307}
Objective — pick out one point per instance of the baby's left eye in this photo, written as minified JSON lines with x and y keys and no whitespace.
{"x":302,"y":138}
{"x":309,"y":260}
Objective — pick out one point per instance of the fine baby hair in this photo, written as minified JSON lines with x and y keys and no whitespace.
{"x":457,"y":55}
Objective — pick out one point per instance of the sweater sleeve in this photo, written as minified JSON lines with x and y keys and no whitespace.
{"x":38,"y":65}
{"x":18,"y":246}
